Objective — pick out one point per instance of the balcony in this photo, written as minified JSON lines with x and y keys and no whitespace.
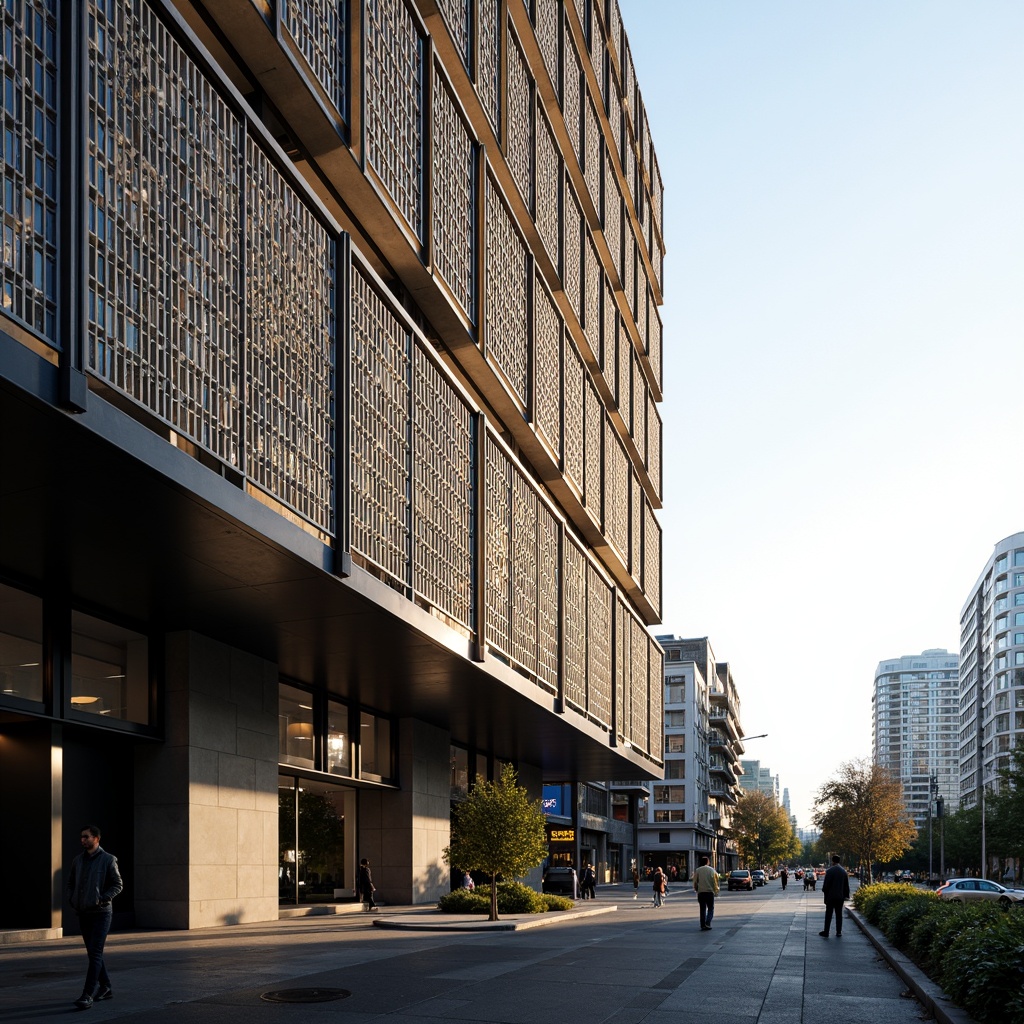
{"x":723,"y":768}
{"x":635,"y":787}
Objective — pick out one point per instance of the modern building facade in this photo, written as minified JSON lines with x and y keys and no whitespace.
{"x":758,"y":778}
{"x":329,"y":446}
{"x":915,"y":710}
{"x":992,"y":671}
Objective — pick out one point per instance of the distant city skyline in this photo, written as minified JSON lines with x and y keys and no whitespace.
{"x":845,"y":235}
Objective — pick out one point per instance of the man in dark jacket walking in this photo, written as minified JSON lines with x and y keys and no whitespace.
{"x":93,"y":882}
{"x":836,"y":890}
{"x":365,"y":886}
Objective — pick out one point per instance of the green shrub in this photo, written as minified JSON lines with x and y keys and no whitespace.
{"x":464,"y":901}
{"x":899,"y":916}
{"x":932,"y":934}
{"x":871,"y":900}
{"x":983,"y":970}
{"x":557,"y":902}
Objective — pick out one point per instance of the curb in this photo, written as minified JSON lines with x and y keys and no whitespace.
{"x":928,"y":993}
{"x":512,"y":924}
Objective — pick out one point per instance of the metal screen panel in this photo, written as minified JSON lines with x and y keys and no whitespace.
{"x":290,"y":332}
{"x":657,"y":201}
{"x":519,"y":109}
{"x":574,"y":635}
{"x":573,"y":438}
{"x":456,"y":15}
{"x":638,"y":419}
{"x":571,"y":93}
{"x":599,"y":647}
{"x":592,"y":151}
{"x":592,"y":283}
{"x":571,"y":255}
{"x":656,"y":662}
{"x":652,"y":557}
{"x":488,"y":83}
{"x":654,"y":445}
{"x":29,"y":165}
{"x":453,"y":184}
{"x":320,"y":29}
{"x":443,"y":495}
{"x":594,"y":426}
{"x":614,"y":29}
{"x":394,"y":86}
{"x":547,"y":361}
{"x":629,"y":267}
{"x":165,"y":165}
{"x":524,"y":573}
{"x":622,"y":663}
{"x":616,"y":492}
{"x":641,"y":305}
{"x":597,"y":50}
{"x":498,"y":549}
{"x":549,"y":177}
{"x":609,"y":332}
{"x":654,"y":340}
{"x":639,"y":685}
{"x":548,"y":575}
{"x":612,"y":213}
{"x":624,"y":391}
{"x":505,"y":280}
{"x":380,"y":432}
{"x":548,"y":30}
{"x":635,"y":519}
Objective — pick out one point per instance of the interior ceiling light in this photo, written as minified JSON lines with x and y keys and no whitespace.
{"x":84,"y":700}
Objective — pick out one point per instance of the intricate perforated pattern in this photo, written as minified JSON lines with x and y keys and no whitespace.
{"x":571,"y":251}
{"x":524,"y":574}
{"x":165,"y":202}
{"x":594,"y":411}
{"x":571,"y":94}
{"x":443,"y":496}
{"x":290,"y":329}
{"x":623,"y":636}
{"x":592,"y":295}
{"x":609,"y":315}
{"x":638,"y":420}
{"x":657,"y":199}
{"x":505,"y":336}
{"x":629,"y":268}
{"x":625,"y":375}
{"x":547,"y":598}
{"x":520,"y":120}
{"x":394,"y":77}
{"x":616,"y":493}
{"x":656,"y":661}
{"x":652,"y":557}
{"x":573,"y":438}
{"x":548,"y":28}
{"x":641,"y":306}
{"x":549,"y":177}
{"x":654,"y":339}
{"x":547,"y":347}
{"x":599,"y":647}
{"x":318,"y":28}
{"x":380,"y":458}
{"x":453,"y":183}
{"x":639,"y":684}
{"x":29,"y":165}
{"x":636,"y":498}
{"x":574,"y":637}
{"x":597,"y":50}
{"x":498,"y":549}
{"x":614,"y":29}
{"x":488,"y":84}
{"x":612,"y":215}
{"x":654,"y":444}
{"x":592,"y":152}
{"x":456,"y":18}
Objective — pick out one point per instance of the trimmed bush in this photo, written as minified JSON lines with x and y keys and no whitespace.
{"x":515,"y":898}
{"x":871,"y":900}
{"x":464,"y":901}
{"x":900,"y":915}
{"x":983,"y":970}
{"x":931,"y":936}
{"x":557,"y":902}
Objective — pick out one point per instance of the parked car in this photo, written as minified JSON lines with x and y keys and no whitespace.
{"x":971,"y":890}
{"x":740,"y":879}
{"x":760,"y":878}
{"x":561,"y":881}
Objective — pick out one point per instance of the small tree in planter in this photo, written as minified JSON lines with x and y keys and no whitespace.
{"x":498,"y":831}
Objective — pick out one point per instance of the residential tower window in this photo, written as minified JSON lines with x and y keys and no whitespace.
{"x":375,"y":746}
{"x":21,"y":645}
{"x":295,"y":734}
{"x":109,"y":670}
{"x":339,"y":742}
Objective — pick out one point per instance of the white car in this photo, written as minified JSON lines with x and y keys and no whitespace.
{"x":971,"y":890}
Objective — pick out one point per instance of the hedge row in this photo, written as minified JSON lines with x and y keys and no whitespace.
{"x":974,"y":951}
{"x":513,"y":898}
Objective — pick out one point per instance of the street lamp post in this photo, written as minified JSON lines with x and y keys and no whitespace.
{"x":933,"y":788}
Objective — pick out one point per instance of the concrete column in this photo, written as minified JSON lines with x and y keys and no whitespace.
{"x":206,"y":799}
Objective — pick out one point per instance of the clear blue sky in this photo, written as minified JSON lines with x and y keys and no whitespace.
{"x":844,"y":339}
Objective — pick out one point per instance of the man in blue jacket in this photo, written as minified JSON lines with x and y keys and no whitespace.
{"x":836,"y":890}
{"x":93,"y":882}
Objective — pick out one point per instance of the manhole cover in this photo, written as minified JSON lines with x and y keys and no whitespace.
{"x":305,"y":995}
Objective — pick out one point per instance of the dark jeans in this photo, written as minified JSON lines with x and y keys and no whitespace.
{"x":706,"y":902}
{"x":95,"y":927}
{"x":837,"y":909}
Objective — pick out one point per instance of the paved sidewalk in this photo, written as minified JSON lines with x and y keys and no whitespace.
{"x":763,"y":963}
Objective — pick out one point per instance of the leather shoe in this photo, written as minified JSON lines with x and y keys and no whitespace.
{"x":104,"y":993}
{"x":84,"y":1001}
{"x":824,"y":935}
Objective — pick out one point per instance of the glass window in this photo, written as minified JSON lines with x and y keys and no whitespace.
{"x":481,"y":767}
{"x":669,"y":794}
{"x":1018,"y":599}
{"x":1018,"y":557}
{"x":675,"y":719}
{"x":459,"y":785}
{"x":675,"y":694}
{"x":109,"y":670}
{"x":295,"y":726}
{"x":375,"y":745}
{"x":339,"y":743}
{"x":21,"y":645}
{"x":675,"y":744}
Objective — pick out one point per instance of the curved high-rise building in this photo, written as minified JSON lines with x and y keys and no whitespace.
{"x":914,"y":727}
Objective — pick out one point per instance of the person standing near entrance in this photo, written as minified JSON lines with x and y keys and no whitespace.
{"x":836,"y":889}
{"x":705,"y":884}
{"x":92,"y":884}
{"x":636,"y":881}
{"x":365,"y":886}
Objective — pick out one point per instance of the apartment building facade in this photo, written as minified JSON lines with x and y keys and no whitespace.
{"x":330,"y":456}
{"x":991,"y":721}
{"x":915,"y":711}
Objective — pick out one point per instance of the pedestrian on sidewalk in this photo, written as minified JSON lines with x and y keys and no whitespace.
{"x":705,"y":885}
{"x":659,"y":885}
{"x":93,"y":882}
{"x":588,"y":883}
{"x":836,"y":889}
{"x":784,"y":875}
{"x":364,"y":884}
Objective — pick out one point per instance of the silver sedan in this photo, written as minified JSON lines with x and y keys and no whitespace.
{"x":970,"y":890}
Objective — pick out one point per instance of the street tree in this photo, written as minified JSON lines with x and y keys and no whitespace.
{"x":961,"y":841}
{"x":497,"y":830}
{"x":761,"y":829}
{"x":861,"y":812}
{"x":1005,"y":810}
